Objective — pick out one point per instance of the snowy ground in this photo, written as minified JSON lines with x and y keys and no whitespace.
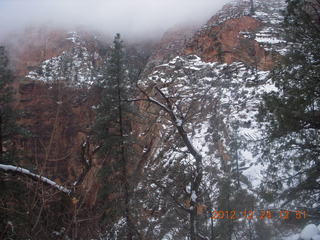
{"x":310,"y":232}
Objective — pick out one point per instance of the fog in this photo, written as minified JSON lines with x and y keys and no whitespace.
{"x":132,"y":18}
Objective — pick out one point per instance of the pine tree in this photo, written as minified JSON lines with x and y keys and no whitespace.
{"x":112,"y":129}
{"x":8,"y":126}
{"x":9,"y":129}
{"x":293,"y":115}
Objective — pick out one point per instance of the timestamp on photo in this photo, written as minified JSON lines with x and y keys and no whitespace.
{"x":259,"y":214}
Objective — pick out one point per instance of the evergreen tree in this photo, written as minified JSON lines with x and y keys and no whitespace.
{"x":9,"y":129}
{"x":293,"y":113}
{"x":113,"y":133}
{"x":8,"y":126}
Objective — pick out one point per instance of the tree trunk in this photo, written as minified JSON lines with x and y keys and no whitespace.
{"x":124,"y":167}
{"x":199,"y":169}
{"x":1,"y":140}
{"x":251,"y":7}
{"x":193,"y":223}
{"x":212,"y":228}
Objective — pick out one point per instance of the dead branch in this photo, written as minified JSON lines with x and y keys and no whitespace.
{"x":33,"y":176}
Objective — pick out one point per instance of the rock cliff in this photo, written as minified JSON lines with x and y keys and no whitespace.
{"x":215,"y":75}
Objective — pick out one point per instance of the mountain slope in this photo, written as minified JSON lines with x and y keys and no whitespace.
{"x":213,"y":78}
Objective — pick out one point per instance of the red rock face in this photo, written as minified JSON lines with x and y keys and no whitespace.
{"x":224,"y":43}
{"x":172,"y":43}
{"x":59,"y":125}
{"x":60,"y":120}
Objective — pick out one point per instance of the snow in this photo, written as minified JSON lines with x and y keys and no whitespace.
{"x":194,"y":196}
{"x":265,"y":39}
{"x":168,"y":236}
{"x":254,"y":171}
{"x":237,"y":105}
{"x":309,"y":232}
{"x":269,"y":13}
{"x":179,"y":122}
{"x":292,"y":237}
{"x":74,"y":66}
{"x":188,"y":188}
{"x":260,"y":14}
{"x":41,"y":178}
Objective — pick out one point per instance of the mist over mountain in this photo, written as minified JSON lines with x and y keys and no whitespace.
{"x":132,"y":18}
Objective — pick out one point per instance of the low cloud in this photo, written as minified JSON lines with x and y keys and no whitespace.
{"x":132,"y":18}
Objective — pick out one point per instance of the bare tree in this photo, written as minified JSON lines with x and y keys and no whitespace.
{"x":166,"y":105}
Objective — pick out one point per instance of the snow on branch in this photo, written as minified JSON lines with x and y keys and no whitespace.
{"x":167,"y":107}
{"x":151,"y":99}
{"x":26,"y":172}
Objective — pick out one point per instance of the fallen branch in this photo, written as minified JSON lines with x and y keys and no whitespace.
{"x":36,"y":177}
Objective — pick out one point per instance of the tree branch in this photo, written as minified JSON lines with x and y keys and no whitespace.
{"x":33,"y":176}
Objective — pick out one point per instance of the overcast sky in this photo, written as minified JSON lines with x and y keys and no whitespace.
{"x":129,"y":17}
